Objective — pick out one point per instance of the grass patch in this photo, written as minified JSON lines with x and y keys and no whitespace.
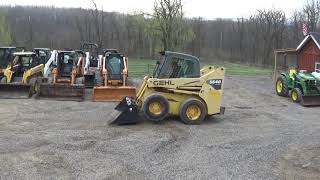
{"x":245,"y":70}
{"x":141,"y":67}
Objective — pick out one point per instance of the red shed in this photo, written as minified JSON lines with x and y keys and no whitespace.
{"x":308,"y":53}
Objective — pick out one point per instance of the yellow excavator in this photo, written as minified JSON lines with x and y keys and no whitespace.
{"x":178,"y":87}
{"x":22,"y":75}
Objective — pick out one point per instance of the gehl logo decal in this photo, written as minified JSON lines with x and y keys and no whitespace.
{"x":163,"y":83}
{"x":215,"y":83}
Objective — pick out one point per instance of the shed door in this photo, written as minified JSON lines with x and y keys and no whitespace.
{"x":307,"y":62}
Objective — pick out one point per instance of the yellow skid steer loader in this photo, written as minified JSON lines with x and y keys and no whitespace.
{"x":22,"y":76}
{"x":178,"y":88}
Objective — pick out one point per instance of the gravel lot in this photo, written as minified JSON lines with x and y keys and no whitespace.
{"x":261,"y":136}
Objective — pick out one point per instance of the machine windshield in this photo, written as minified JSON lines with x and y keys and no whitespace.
{"x":114,"y":65}
{"x":4,"y":57}
{"x":178,"y":67}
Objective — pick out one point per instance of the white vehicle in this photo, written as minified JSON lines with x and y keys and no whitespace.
{"x":92,"y":63}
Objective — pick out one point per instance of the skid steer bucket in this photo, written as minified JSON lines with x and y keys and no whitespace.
{"x":62,"y":91}
{"x":310,"y":101}
{"x":16,"y":91}
{"x":129,"y":113}
{"x":110,"y":93}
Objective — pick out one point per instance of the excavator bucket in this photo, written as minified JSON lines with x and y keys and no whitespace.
{"x":110,"y":93}
{"x":62,"y":91}
{"x":310,"y":101}
{"x":16,"y":91}
{"x":129,"y":113}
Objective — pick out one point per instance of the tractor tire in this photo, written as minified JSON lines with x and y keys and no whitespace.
{"x":4,"y":80}
{"x":282,"y":88}
{"x":296,"y":95}
{"x":156,"y":107}
{"x":192,"y":111}
{"x":80,"y":81}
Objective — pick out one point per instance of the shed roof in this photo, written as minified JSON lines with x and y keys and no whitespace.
{"x":312,"y":35}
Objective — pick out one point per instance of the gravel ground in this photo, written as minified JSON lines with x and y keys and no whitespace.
{"x":261,"y":136}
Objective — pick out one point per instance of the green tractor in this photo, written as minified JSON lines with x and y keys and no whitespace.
{"x":302,"y":87}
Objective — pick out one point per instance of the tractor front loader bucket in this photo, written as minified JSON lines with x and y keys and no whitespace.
{"x":16,"y":91}
{"x":310,"y":101}
{"x":110,"y":93}
{"x":129,"y":113}
{"x":64,"y":92}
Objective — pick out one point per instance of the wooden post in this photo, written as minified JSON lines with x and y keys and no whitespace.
{"x":275,"y":66}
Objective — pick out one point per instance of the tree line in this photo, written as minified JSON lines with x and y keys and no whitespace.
{"x":246,"y":40}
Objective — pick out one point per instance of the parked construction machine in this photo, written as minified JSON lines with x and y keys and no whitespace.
{"x":92,"y":62}
{"x":22,"y":75}
{"x":6,"y":55}
{"x":112,"y":85}
{"x":178,"y":88}
{"x":302,"y":87}
{"x":66,"y":81}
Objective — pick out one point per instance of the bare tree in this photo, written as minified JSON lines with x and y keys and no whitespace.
{"x":170,"y":18}
{"x":99,"y":20}
{"x":312,"y":12}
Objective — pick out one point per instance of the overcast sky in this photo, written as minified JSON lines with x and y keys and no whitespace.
{"x":208,"y":9}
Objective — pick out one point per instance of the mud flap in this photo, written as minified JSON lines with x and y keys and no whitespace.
{"x":62,"y":92}
{"x":109,"y":94}
{"x":16,"y":91}
{"x":129,"y":113}
{"x":310,"y":101}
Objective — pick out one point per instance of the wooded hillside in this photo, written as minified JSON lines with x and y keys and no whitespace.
{"x":247,"y":40}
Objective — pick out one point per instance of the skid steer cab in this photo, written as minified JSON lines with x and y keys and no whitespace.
{"x":112,"y":85}
{"x":179,"y":88}
{"x":6,"y":55}
{"x":22,"y":75}
{"x":66,"y":81}
{"x":92,"y":62}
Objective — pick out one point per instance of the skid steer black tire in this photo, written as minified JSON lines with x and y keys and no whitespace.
{"x":159,"y":100}
{"x":4,"y":80}
{"x":285,"y":89}
{"x":298,"y":97}
{"x":80,"y":81}
{"x":199,"y":105}
{"x":98,"y":79}
{"x":34,"y":82}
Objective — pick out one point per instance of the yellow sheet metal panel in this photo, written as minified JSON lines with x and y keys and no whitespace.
{"x":208,"y":88}
{"x":212,"y":90}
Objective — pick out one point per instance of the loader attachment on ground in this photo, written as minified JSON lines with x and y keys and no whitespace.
{"x":113,"y":93}
{"x":129,"y":113}
{"x":310,"y":101}
{"x":62,"y":91}
{"x":16,"y":91}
